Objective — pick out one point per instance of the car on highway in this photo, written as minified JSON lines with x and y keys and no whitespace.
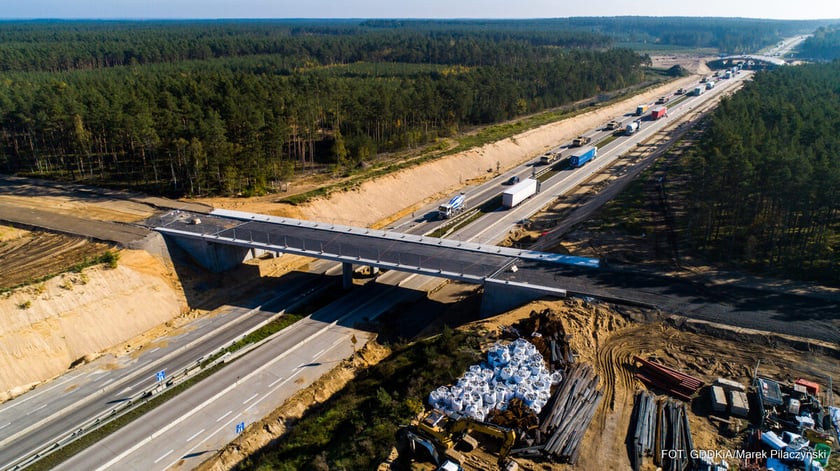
{"x":512,"y":180}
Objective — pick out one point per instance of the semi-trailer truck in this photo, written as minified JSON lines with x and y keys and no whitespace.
{"x":519,"y":192}
{"x":453,"y":207}
{"x":658,"y":112}
{"x":583,"y":155}
{"x":641,"y":109}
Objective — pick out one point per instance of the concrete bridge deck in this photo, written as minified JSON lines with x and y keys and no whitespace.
{"x":464,"y":261}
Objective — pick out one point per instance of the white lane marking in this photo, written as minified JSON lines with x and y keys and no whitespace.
{"x":320,"y":352}
{"x":153,"y":350}
{"x":195,"y":434}
{"x":222,"y":427}
{"x":246,"y":400}
{"x":124,"y":391}
{"x":36,"y":409}
{"x":272,"y":390}
{"x":226,"y":414}
{"x":164,"y":456}
{"x":4,"y":426}
{"x":107,"y":382}
{"x":138,"y":383}
{"x":275,"y":382}
{"x":36,"y":393}
{"x":327,"y":350}
{"x":204,"y":404}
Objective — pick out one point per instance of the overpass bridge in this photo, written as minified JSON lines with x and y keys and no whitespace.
{"x":758,"y":60}
{"x":223,"y":239}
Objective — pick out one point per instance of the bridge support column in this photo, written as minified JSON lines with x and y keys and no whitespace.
{"x":347,"y":275}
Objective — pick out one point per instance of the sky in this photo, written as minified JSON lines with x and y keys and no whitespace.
{"x":203,"y":9}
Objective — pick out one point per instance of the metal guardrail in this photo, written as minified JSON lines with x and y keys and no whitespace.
{"x":141,"y":398}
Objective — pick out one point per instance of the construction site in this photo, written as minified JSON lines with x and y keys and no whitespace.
{"x":626,"y":393}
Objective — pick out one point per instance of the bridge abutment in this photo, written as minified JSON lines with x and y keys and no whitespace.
{"x":502,"y":296}
{"x":217,"y":258}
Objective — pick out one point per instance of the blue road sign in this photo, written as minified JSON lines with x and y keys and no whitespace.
{"x":240,"y":427}
{"x":161,"y":375}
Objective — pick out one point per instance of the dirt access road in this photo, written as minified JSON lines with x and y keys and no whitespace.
{"x":74,"y":223}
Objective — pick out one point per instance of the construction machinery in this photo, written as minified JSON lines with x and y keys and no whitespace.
{"x":441,"y":434}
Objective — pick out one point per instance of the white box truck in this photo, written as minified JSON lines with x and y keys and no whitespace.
{"x":519,"y":192}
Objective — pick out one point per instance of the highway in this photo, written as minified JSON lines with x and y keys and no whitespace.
{"x":205,"y":419}
{"x":494,"y":226}
{"x":176,"y":435}
{"x":57,"y":408}
{"x":209,"y":424}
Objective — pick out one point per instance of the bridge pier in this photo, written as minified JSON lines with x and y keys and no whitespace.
{"x":346,"y":275}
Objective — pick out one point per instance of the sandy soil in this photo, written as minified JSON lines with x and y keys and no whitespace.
{"x":608,"y":339}
{"x":103,"y":210}
{"x":46,"y":327}
{"x":36,"y":254}
{"x":693,"y":63}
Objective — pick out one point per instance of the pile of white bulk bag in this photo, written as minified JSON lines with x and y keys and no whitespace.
{"x":513,"y":370}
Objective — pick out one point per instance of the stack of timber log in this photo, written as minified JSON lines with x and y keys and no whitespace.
{"x":570,"y":413}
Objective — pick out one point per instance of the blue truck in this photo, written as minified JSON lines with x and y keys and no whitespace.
{"x":453,"y":207}
{"x":583,"y":155}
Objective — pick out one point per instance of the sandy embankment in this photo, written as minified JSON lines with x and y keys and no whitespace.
{"x":378,"y":200}
{"x":46,"y":327}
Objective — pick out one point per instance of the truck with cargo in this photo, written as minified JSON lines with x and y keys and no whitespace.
{"x":658,"y":112}
{"x":632,"y":127}
{"x":583,"y":155}
{"x":549,"y":157}
{"x":613,"y":125}
{"x":519,"y":192}
{"x":581,"y":141}
{"x":710,"y":85}
{"x":641,"y":109}
{"x":453,"y":207}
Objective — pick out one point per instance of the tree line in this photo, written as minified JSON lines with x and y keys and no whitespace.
{"x":234,"y":125}
{"x":80,"y":45}
{"x":824,"y":44}
{"x":765,"y":178}
{"x":727,"y":35}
